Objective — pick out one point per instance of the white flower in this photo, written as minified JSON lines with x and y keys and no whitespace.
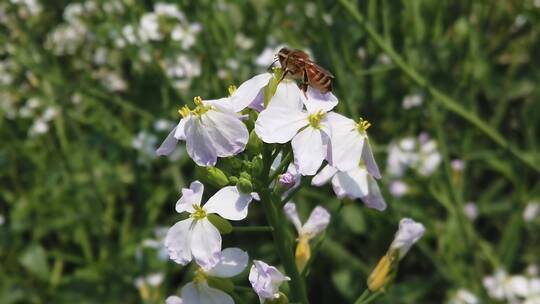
{"x":265,"y":280}
{"x":316,"y":223}
{"x":285,"y":119}
{"x":149,"y":27}
{"x":464,"y":296}
{"x":409,"y":232}
{"x":350,"y":145}
{"x":354,"y":183}
{"x":470,"y":210}
{"x":174,"y":300}
{"x":398,"y":188}
{"x":232,"y":261}
{"x":267,"y":56}
{"x":196,"y":237}
{"x":420,"y":154}
{"x":243,"y":42}
{"x":153,"y":280}
{"x":515,"y":288}
{"x":211,"y":130}
{"x":411,"y":101}
{"x":195,"y":293}
{"x":531,"y":211}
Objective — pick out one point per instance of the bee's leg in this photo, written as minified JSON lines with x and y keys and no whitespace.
{"x":305,"y":83}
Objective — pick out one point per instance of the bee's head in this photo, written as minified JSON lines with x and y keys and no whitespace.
{"x":282,"y":55}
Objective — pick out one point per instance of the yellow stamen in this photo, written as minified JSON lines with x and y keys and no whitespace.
{"x":315,"y":119}
{"x":200,"y":108}
{"x":197,"y":100}
{"x":199,"y":212}
{"x":363,"y":125}
{"x":200,"y":276}
{"x":231,"y":89}
{"x":184,"y":111}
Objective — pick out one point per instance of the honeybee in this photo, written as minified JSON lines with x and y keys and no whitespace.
{"x":297,"y":64}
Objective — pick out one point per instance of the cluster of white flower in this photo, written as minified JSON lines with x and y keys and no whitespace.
{"x":516,"y":289}
{"x":417,"y":153}
{"x":274,"y":122}
{"x":146,"y":141}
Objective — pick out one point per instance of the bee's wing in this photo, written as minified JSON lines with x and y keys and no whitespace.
{"x":319,"y":68}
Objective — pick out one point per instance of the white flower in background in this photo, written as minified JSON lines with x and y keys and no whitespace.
{"x":354,"y":183}
{"x":350,"y":145}
{"x":513,"y":288}
{"x":531,"y":270}
{"x":211,"y":130}
{"x":265,"y":280}
{"x":532,"y":210}
{"x":174,"y":300}
{"x":308,"y":130}
{"x":316,"y":223}
{"x":41,"y":124}
{"x":158,"y":243}
{"x":267,"y":56}
{"x":28,"y":8}
{"x":398,"y":188}
{"x":327,"y":18}
{"x":232,"y":261}
{"x":168,"y":10}
{"x":182,"y":70}
{"x":409,"y":232}
{"x":457,"y":165}
{"x":412,"y":101}
{"x":112,"y":80}
{"x":311,"y":9}
{"x":2,"y":220}
{"x":145,"y":142}
{"x":66,"y":39}
{"x":464,"y":296}
{"x":153,"y":280}
{"x":470,"y":210}
{"x":243,"y":42}
{"x":361,"y":53}
{"x":420,"y":154}
{"x":384,"y":59}
{"x":149,"y":27}
{"x":196,"y":237}
{"x":186,"y":34}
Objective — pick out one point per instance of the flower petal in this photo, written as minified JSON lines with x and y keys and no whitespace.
{"x":287,"y":95}
{"x":205,"y":243}
{"x":227,"y":132}
{"x":409,"y":232}
{"x":374,"y":199}
{"x":346,"y":141}
{"x":174,"y":300}
{"x":222,"y":104}
{"x":201,"y":293}
{"x":190,"y":196}
{"x":324,"y":176}
{"x":309,"y":147}
{"x":317,"y":222}
{"x":279,"y":124}
{"x":229,"y":203}
{"x":369,"y":160}
{"x":358,"y":183}
{"x":199,"y":143}
{"x":168,"y":144}
{"x":316,"y":100}
{"x":248,"y":91}
{"x":292,"y":215}
{"x":178,"y":242}
{"x":232,"y":261}
{"x":180,"y":129}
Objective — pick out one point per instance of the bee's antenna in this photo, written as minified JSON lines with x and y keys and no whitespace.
{"x":269,"y":69}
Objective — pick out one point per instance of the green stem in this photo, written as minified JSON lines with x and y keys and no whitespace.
{"x":446,"y":101}
{"x":282,"y":240}
{"x":363,"y":297}
{"x":253,"y":229}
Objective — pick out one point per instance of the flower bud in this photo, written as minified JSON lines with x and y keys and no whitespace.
{"x":254,"y":145}
{"x":244,"y":185}
{"x":302,"y":254}
{"x":282,"y":299}
{"x":256,"y":166}
{"x":287,"y":180}
{"x":382,"y":274}
{"x":215,"y":177}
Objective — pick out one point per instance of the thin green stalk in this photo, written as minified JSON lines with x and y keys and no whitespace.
{"x":281,"y":238}
{"x":253,"y":229}
{"x":446,"y":101}
{"x":363,"y":297}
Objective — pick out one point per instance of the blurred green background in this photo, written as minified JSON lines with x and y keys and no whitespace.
{"x":89,"y":89}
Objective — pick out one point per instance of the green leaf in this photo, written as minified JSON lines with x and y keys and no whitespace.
{"x":221,"y":224}
{"x":34,"y":260}
{"x":354,"y":219}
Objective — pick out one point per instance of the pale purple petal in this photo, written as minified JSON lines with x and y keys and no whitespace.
{"x":347,"y":143}
{"x":279,"y":124}
{"x":229,"y":203}
{"x":409,"y":233}
{"x":309,"y":148}
{"x":190,"y":196}
{"x":173,"y":300}
{"x":201,"y":293}
{"x":168,"y":144}
{"x":199,"y":143}
{"x":232,"y":261}
{"x":369,"y":160}
{"x":248,"y":91}
{"x":227,"y":132}
{"x":292,"y":215}
{"x":180,"y":129}
{"x":287,"y":95}
{"x":178,"y":242}
{"x":324,"y":176}
{"x":205,"y":243}
{"x":319,"y":101}
{"x":316,"y":223}
{"x":265,"y":280}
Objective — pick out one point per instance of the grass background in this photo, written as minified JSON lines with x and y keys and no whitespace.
{"x":79,"y":201}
